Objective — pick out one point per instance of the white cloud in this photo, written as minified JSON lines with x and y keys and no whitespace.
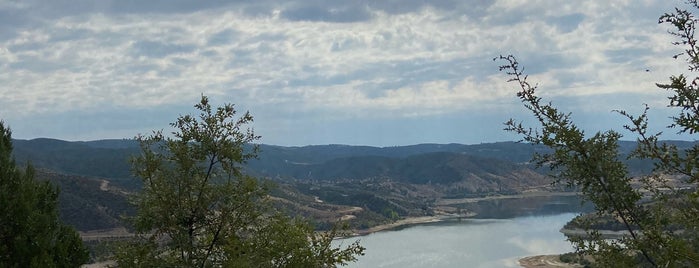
{"x":419,"y":60}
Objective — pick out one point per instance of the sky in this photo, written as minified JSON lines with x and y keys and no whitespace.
{"x":361,"y":72}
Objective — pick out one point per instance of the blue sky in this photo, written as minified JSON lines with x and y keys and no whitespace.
{"x":391,"y":72}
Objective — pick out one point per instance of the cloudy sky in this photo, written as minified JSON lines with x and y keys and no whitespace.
{"x":382,"y":72}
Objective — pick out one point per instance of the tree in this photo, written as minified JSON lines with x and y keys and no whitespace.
{"x":198,"y":209}
{"x":664,"y":230}
{"x":31,"y":234}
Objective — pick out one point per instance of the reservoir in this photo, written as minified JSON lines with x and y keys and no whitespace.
{"x":481,"y":242}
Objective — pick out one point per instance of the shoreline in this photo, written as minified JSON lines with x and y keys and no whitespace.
{"x":550,"y":261}
{"x":409,"y":221}
{"x":447,"y":202}
{"x":396,"y":224}
{"x":455,"y":201}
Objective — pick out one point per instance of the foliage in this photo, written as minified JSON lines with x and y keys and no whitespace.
{"x":31,"y":234}
{"x":574,"y":258}
{"x":285,"y":242}
{"x":197,"y":209}
{"x":662,"y":231}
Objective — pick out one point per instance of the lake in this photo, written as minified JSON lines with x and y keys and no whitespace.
{"x":468,"y":243}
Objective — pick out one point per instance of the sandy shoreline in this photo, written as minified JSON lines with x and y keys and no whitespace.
{"x":410,"y":221}
{"x":399,"y":223}
{"x":545,"y":261}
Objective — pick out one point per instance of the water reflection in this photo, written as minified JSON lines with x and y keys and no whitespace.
{"x":469,"y":243}
{"x":530,"y":206}
{"x":475,"y":242}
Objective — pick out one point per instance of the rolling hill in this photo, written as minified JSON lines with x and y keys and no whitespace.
{"x":321,"y":181}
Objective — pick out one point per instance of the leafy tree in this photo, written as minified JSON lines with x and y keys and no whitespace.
{"x":197,"y":209}
{"x":31,"y":234}
{"x":661,"y":218}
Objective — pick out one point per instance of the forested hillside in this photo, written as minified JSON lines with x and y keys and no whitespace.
{"x":89,"y":203}
{"x":325,"y":182}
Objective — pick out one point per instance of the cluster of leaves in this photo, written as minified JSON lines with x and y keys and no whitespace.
{"x":31,"y":234}
{"x":662,"y":231}
{"x":197,"y":209}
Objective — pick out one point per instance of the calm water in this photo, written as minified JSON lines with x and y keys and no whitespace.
{"x":469,"y":243}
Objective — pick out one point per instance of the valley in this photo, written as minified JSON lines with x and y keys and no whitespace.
{"x":363,"y":186}
{"x":370,"y":189}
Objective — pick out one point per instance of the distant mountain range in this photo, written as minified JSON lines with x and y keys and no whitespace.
{"x":95,"y":176}
{"x":110,"y":158}
{"x":105,"y":159}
